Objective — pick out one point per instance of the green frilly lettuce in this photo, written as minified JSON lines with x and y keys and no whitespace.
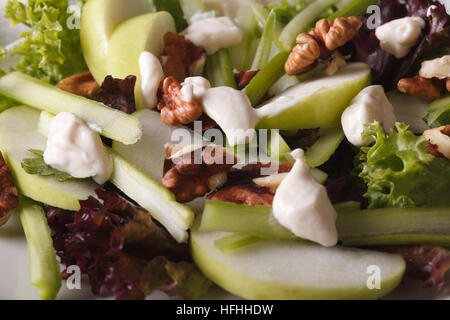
{"x":50,"y":49}
{"x":399,"y":172}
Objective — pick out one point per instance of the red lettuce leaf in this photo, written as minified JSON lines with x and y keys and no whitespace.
{"x":122,"y":251}
{"x":429,"y":264}
{"x":386,"y":69}
{"x":118,"y":93}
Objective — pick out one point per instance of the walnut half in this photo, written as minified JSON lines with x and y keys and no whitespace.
{"x":82,"y":84}
{"x":8,"y":193}
{"x":194,"y":172}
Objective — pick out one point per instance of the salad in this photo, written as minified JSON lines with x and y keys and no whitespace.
{"x":278,"y":150}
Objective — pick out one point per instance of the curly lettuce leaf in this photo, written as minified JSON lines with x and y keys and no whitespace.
{"x":399,"y":172}
{"x":50,"y":49}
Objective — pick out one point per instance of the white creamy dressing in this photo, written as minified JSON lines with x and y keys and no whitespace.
{"x":214,"y":34}
{"x":370,"y":105}
{"x":151,"y":76}
{"x":397,"y":37}
{"x":76,"y":149}
{"x":302,"y":205}
{"x":436,"y":68}
{"x":233,"y":112}
{"x":194,"y":88}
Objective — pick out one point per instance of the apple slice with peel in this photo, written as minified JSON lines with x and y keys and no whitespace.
{"x":319,"y":102}
{"x":18,"y":133}
{"x":111,"y":123}
{"x":282,"y":270}
{"x":130,"y":39}
{"x":98,"y":20}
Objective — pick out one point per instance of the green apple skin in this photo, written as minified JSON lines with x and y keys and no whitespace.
{"x":320,"y":106}
{"x":290,"y":270}
{"x":98,"y":20}
{"x":130,"y":39}
{"x":18,"y":133}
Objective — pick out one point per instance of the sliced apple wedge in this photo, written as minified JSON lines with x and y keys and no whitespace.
{"x":315,"y":103}
{"x":281,"y":270}
{"x":98,"y":20}
{"x":130,"y":39}
{"x":111,"y":123}
{"x":18,"y":133}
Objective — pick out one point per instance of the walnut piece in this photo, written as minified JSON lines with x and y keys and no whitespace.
{"x":82,"y":84}
{"x":182,"y":58}
{"x":243,"y":78}
{"x":175,"y":110}
{"x":188,"y":178}
{"x":9,"y":193}
{"x":248,"y":194}
{"x":423,"y":88}
{"x":319,"y":43}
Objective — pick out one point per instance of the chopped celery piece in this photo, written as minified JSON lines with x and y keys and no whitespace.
{"x":152,"y":196}
{"x":303,"y":22}
{"x":388,"y":226}
{"x":266,"y":78}
{"x":265,"y":45}
{"x":321,"y":151}
{"x":219,"y":70}
{"x":353,"y":8}
{"x":439,"y":113}
{"x":284,"y":83}
{"x":243,"y":53}
{"x":262,"y":15}
{"x":44,"y":268}
{"x":234,"y":242}
{"x":348,"y":206}
{"x":113,"y":124}
{"x":191,"y":7}
{"x":276,"y":146}
{"x":318,"y":175}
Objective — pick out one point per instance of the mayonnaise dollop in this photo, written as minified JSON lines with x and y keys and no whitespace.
{"x":436,"y":68}
{"x":194,"y":88}
{"x":232,"y":110}
{"x":151,"y":76}
{"x":73,"y":147}
{"x":302,"y":205}
{"x":214,"y":34}
{"x":370,"y":105}
{"x":397,"y":37}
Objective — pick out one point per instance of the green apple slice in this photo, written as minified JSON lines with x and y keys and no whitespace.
{"x":98,"y":20}
{"x":130,"y":39}
{"x":18,"y":133}
{"x":44,"y":268}
{"x":152,"y":196}
{"x":111,"y":123}
{"x":316,"y":103}
{"x":282,"y":270}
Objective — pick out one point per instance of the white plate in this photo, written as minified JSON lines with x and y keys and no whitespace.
{"x":14,"y":274}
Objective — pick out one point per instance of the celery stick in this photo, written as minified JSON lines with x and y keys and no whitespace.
{"x":319,"y":175}
{"x":389,"y":226}
{"x":262,"y":15}
{"x":219,"y":70}
{"x":266,"y":78}
{"x":234,"y":242}
{"x":321,"y":151}
{"x":439,"y":113}
{"x":265,"y":45}
{"x":44,"y":268}
{"x":243,"y":53}
{"x":152,"y":196}
{"x":353,"y":8}
{"x":114,"y":124}
{"x":303,"y":22}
